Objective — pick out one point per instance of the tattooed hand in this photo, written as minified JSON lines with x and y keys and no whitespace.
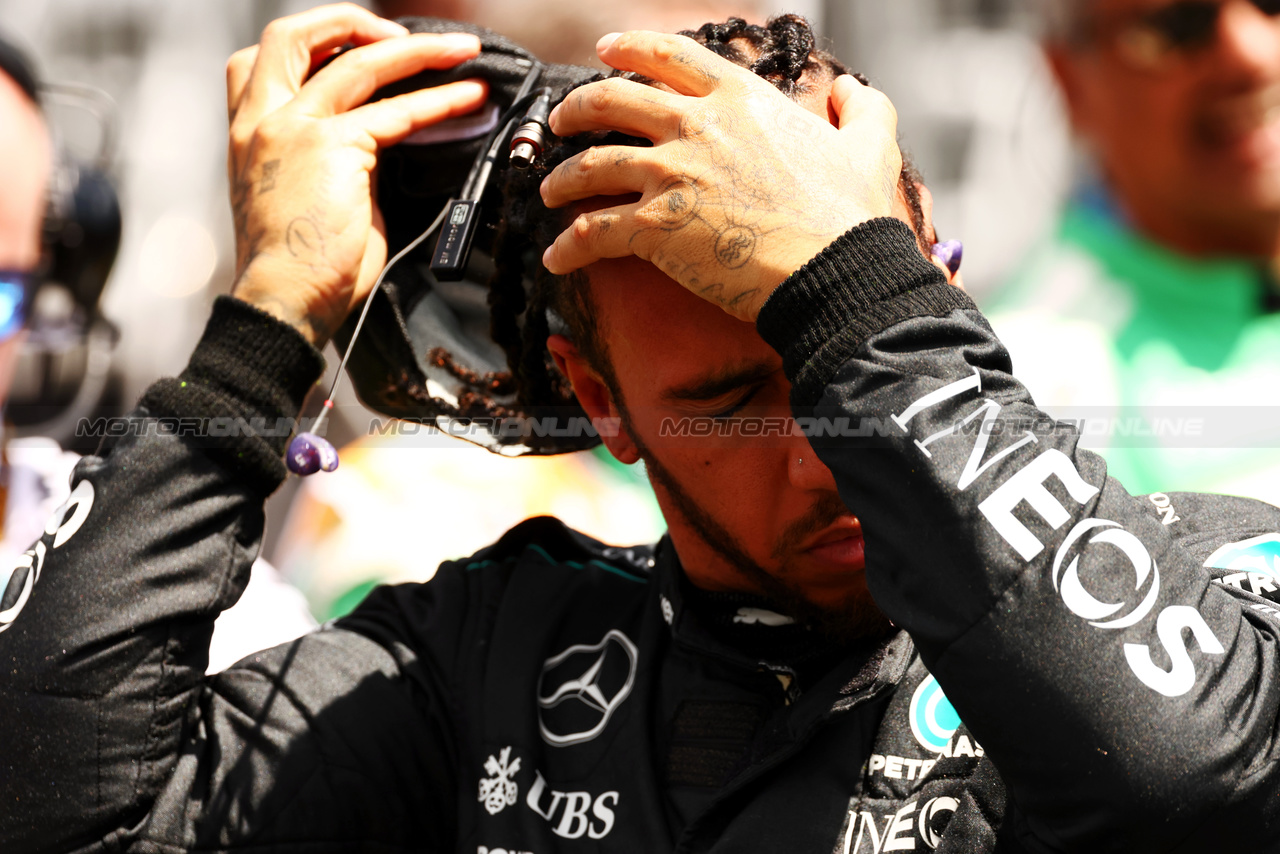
{"x":309,"y":237}
{"x":742,"y":185}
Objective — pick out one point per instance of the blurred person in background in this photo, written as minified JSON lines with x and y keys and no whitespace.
{"x":1156,"y":296}
{"x":35,"y":471}
{"x":33,"y":477}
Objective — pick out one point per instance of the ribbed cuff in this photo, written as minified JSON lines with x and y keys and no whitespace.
{"x":246,"y":381}
{"x":870,"y":278}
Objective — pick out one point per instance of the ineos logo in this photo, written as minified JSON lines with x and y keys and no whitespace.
{"x":1106,"y":615}
{"x":590,"y":682}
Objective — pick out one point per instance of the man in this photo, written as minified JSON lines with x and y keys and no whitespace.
{"x":1160,"y":279}
{"x":731,"y":689}
{"x":28,"y":471}
{"x":26,"y":142}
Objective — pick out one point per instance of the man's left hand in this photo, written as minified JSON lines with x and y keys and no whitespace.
{"x":742,"y":185}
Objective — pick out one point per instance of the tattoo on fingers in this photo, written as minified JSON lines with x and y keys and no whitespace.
{"x":267,"y":182}
{"x":678,"y":201}
{"x":796,"y":125}
{"x":735,"y":246}
{"x":688,"y":60}
{"x":248,"y":237}
{"x":696,"y":123}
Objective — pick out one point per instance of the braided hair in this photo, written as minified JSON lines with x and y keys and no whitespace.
{"x":527,"y":303}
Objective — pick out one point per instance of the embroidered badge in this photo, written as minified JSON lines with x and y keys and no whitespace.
{"x":498,"y":791}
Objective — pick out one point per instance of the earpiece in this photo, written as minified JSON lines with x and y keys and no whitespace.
{"x":950,"y":253}
{"x":309,"y":453}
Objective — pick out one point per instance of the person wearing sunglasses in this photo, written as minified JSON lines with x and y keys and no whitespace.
{"x":1160,"y":278}
{"x":25,"y":154}
{"x":34,"y":470}
{"x":29,"y":475}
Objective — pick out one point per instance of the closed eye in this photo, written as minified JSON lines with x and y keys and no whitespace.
{"x":738,"y":405}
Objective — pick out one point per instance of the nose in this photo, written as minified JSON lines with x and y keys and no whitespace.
{"x":806,"y":471}
{"x":1248,"y":42}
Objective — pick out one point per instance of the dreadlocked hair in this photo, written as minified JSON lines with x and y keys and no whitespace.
{"x":783,"y":51}
{"x":527,"y":303}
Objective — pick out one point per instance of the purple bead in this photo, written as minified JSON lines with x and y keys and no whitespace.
{"x":308,"y":453}
{"x":950,"y":253}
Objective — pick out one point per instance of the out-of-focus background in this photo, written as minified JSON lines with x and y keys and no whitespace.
{"x":977,"y":110}
{"x":978,"y":113}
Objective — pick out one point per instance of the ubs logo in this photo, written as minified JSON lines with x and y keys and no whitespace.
{"x":582,"y":687}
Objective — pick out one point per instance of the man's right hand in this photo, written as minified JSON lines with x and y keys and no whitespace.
{"x":309,"y":236}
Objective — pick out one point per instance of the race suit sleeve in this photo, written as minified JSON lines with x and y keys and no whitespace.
{"x":113,"y":738}
{"x":1129,"y":704}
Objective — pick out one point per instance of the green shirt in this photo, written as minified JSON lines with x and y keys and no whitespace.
{"x":1173,"y":362}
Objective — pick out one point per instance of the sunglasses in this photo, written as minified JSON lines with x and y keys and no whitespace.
{"x":1154,"y":40}
{"x":17,"y":293}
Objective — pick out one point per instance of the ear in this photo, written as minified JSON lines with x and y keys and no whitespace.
{"x":931,"y":234}
{"x":926,"y":207}
{"x":594,"y":396}
{"x":1065,"y":67}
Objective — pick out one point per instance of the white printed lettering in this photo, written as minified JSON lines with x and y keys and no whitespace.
{"x":974,"y":466}
{"x":864,"y":824}
{"x":893,"y":767}
{"x":1235,"y":579}
{"x":932,"y":808}
{"x":1084,"y":604}
{"x":955,"y":389}
{"x":902,"y":823}
{"x":1181,"y":676}
{"x":573,"y":822}
{"x":535,"y":797}
{"x":1259,"y":583}
{"x":1163,"y":504}
{"x":1028,"y":485}
{"x":602,"y":812}
{"x":877,"y":762}
{"x":81,"y":501}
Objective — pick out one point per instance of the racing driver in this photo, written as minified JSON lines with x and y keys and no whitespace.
{"x":1030,"y":660}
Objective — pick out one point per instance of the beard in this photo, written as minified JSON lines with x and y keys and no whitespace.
{"x":855,"y":618}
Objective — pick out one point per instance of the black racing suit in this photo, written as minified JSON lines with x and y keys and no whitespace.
{"x":553,"y":694}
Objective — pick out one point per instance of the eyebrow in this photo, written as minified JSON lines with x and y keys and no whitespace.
{"x":721,"y":382}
